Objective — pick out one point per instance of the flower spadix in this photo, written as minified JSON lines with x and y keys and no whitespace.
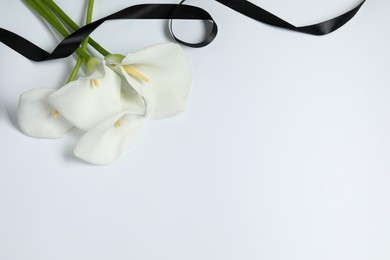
{"x":88,"y":101}
{"x":37,"y":118}
{"x":160,"y":74}
{"x":107,"y":141}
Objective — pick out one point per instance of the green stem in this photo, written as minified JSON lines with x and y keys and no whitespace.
{"x":45,"y":13}
{"x":84,"y":44}
{"x":66,"y":19}
{"x":90,"y":11}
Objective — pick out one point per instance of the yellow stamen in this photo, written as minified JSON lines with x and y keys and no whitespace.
{"x":135,"y":73}
{"x":95,"y":82}
{"x":56,"y":114}
{"x":118,"y":123}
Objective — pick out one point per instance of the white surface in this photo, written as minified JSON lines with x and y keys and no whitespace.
{"x":284,"y":152}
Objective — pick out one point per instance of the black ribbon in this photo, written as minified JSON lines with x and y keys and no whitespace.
{"x":171,"y":12}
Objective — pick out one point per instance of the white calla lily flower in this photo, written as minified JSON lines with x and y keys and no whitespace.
{"x":88,"y":101}
{"x":106,"y":142}
{"x":160,"y":74}
{"x":37,"y":118}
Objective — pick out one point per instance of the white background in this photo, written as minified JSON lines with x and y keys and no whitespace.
{"x":283,"y":153}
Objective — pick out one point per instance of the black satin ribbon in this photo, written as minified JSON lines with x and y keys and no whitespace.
{"x":171,"y":12}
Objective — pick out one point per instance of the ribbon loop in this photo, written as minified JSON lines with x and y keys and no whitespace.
{"x":207,"y":18}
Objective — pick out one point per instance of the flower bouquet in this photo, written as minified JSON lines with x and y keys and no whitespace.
{"x":111,"y":100}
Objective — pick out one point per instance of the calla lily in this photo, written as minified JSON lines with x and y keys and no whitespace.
{"x":160,"y":74}
{"x":37,"y":118}
{"x":106,"y":142}
{"x":88,"y":101}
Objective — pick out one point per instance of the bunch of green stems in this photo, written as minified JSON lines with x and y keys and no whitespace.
{"x":60,"y":21}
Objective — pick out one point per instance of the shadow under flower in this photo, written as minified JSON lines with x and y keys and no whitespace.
{"x":3,"y":114}
{"x":72,"y":138}
{"x":11,"y":112}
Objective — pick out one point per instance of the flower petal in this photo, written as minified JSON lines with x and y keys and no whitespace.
{"x":162,"y":76}
{"x":37,"y":118}
{"x":106,"y":142}
{"x":87,"y":102}
{"x":132,"y":102}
